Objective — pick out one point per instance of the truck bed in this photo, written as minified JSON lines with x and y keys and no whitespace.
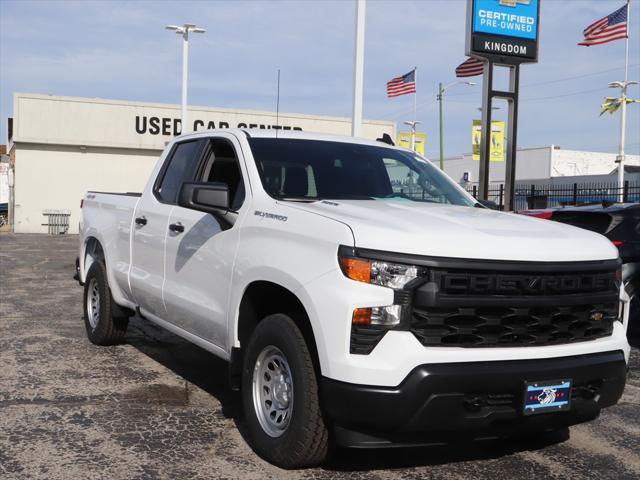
{"x":108,"y":217}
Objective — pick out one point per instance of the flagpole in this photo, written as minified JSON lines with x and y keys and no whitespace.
{"x":623,"y":113}
{"x":415,"y":108}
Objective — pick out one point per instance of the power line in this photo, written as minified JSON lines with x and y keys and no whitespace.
{"x":563,"y":95}
{"x":564,"y":79}
{"x":528,"y":99}
{"x":399,"y":113}
{"x":577,"y":76}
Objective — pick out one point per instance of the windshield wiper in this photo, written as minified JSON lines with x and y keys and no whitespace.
{"x":299,"y":199}
{"x":407,"y":197}
{"x":350,"y":197}
{"x":319,"y":199}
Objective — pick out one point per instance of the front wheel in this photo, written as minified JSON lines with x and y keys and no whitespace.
{"x":280,"y":396}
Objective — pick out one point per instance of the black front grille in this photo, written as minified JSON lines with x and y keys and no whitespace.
{"x":467,"y":308}
{"x":512,"y":326}
{"x":489,"y":303}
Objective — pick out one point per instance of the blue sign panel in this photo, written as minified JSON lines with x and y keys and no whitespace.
{"x":510,"y":18}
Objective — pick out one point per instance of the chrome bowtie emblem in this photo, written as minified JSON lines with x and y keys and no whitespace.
{"x":597,"y":316}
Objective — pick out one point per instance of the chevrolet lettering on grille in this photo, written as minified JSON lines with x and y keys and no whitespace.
{"x":492,"y":284}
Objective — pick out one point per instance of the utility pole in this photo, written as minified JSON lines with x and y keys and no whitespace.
{"x":358,"y":70}
{"x":184,"y":31}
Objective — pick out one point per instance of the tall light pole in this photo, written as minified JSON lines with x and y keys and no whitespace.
{"x":358,"y":69}
{"x":184,"y":30}
{"x":623,"y":126}
{"x":441,"y":90}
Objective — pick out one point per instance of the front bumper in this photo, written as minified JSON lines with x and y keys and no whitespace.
{"x":441,"y":402}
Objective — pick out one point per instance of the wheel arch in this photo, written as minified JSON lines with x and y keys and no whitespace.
{"x":257,"y":302}
{"x":92,"y":251}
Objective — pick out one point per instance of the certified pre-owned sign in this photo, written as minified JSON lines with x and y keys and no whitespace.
{"x":503,"y":28}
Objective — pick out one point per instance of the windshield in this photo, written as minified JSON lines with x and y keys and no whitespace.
{"x":309,"y":170}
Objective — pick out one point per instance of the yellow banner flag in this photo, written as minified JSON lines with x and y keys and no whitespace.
{"x":404,"y":140}
{"x":497,"y":140}
{"x":612,"y":105}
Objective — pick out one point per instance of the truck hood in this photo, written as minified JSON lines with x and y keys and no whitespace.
{"x":461,"y":232}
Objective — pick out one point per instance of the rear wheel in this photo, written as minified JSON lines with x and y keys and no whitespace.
{"x":280,"y":396}
{"x":105,"y":322}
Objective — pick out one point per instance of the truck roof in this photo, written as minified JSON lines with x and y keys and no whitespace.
{"x":289,"y":134}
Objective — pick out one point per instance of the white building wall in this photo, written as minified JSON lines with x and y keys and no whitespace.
{"x":4,"y":182}
{"x":114,"y":123}
{"x":57,"y":177}
{"x":530,"y":163}
{"x":542,"y":163}
{"x":566,"y":163}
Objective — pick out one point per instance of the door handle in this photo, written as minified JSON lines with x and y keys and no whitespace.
{"x":176,"y":227}
{"x":142,"y":221}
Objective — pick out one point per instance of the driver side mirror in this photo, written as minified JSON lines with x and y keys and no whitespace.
{"x":205,"y":197}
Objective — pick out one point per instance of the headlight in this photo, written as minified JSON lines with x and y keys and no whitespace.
{"x":392,"y":275}
{"x":385,"y":274}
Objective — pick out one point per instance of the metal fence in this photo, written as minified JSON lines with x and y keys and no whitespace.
{"x":550,"y":195}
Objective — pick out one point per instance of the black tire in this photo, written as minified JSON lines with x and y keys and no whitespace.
{"x":111,"y":323}
{"x":304,"y":442}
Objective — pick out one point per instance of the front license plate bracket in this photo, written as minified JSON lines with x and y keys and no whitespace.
{"x":547,"y":396}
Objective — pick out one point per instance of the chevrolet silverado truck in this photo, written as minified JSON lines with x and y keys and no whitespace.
{"x":358,"y":294}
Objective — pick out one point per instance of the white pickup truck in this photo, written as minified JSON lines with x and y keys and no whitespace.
{"x":357,"y":293}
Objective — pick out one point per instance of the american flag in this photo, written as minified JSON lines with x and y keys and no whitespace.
{"x":612,"y":27}
{"x":471,"y":67}
{"x":402,"y":85}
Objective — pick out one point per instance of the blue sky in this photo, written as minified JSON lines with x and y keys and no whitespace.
{"x":120,"y":50}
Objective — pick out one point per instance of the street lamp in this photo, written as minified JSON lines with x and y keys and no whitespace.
{"x":184,"y":30}
{"x":441,"y":90}
{"x":623,"y":124}
{"x":413,"y":126}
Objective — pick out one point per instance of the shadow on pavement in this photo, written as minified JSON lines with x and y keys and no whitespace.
{"x":353,"y":460}
{"x":209,"y":373}
{"x":187,"y":360}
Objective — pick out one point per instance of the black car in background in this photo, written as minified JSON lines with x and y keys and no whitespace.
{"x":620,"y":223}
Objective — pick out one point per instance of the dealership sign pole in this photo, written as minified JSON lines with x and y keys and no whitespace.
{"x":503,"y":33}
{"x":358,"y":70}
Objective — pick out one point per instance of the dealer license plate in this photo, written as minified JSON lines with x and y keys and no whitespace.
{"x":547,"y":396}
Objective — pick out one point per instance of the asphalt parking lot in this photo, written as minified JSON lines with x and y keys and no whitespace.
{"x":158,"y":407}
